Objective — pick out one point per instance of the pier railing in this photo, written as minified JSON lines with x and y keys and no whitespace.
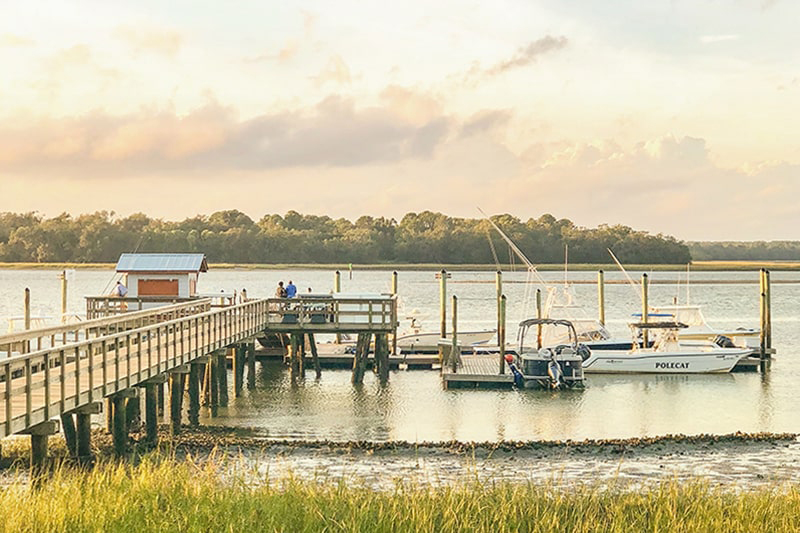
{"x":323,"y":314}
{"x":46,"y":383}
{"x":106,"y":306}
{"x":57,"y":379}
{"x":48,"y":337}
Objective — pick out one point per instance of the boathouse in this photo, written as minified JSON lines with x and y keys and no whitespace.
{"x":170,"y":275}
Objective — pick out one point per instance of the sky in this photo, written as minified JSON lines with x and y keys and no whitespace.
{"x":670,"y":116}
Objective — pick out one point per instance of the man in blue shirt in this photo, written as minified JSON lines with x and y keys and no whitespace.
{"x":291,"y":290}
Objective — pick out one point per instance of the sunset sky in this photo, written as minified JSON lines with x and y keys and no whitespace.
{"x":671,"y":116}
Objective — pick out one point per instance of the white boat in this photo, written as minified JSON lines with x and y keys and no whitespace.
{"x":698,"y":328}
{"x":666,"y":355}
{"x":416,"y":340}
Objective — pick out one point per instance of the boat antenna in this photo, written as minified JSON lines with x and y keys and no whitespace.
{"x":513,"y":246}
{"x":633,"y":284}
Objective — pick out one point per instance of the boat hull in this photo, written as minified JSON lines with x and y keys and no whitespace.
{"x":422,"y":342}
{"x":647,"y":362}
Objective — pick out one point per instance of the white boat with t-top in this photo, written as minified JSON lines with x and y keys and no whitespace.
{"x":666,"y":355}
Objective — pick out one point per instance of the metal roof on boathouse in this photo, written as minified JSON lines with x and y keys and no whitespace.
{"x":162,"y":263}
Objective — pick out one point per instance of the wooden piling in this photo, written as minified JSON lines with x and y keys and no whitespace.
{"x":337,"y":288}
{"x":768,"y":291}
{"x":160,"y":400}
{"x":151,"y":412}
{"x":68,"y":429}
{"x":394,"y":293}
{"x":382,"y":356}
{"x":194,"y":394}
{"x":39,"y":434}
{"x":26,"y":346}
{"x":176,"y":401}
{"x":313,"y":345}
{"x":238,"y":369}
{"x":109,"y":415}
{"x":205,"y":393}
{"x":213,"y":386}
{"x":83,"y":417}
{"x":222,"y":380}
{"x":120,"y":426}
{"x":455,"y":351}
{"x":294,"y":361}
{"x":501,"y":333}
{"x":63,"y":278}
{"x":442,"y":308}
{"x":645,"y":310}
{"x":360,"y":358}
{"x":251,"y":365}
{"x":601,"y":298}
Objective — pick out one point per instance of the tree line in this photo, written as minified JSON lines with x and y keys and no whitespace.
{"x":745,"y":251}
{"x":233,"y":237}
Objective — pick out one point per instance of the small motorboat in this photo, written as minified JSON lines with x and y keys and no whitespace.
{"x":415,"y":340}
{"x":666,"y":354}
{"x":550,"y":367}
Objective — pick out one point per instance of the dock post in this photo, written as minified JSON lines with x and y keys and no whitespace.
{"x":337,"y":288}
{"x":442,"y":310}
{"x":26,"y":346}
{"x":455,"y":351}
{"x":83,"y":416}
{"x":177,"y":383}
{"x":539,"y":315}
{"x":499,"y":295}
{"x":394,"y":326}
{"x":213,"y":386}
{"x":360,"y":358}
{"x":601,"y":297}
{"x":251,"y":365}
{"x":194,"y":394}
{"x":63,"y":278}
{"x":120,"y":425}
{"x":68,"y":429}
{"x":645,"y":310}
{"x":382,"y":356}
{"x":39,"y":434}
{"x":768,"y":291}
{"x":222,"y":378}
{"x":294,"y":361}
{"x":313,"y":345}
{"x":501,"y":334}
{"x":238,"y":369}
{"x":151,"y":412}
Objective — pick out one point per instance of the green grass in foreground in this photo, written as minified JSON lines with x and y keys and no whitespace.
{"x":181,"y":496}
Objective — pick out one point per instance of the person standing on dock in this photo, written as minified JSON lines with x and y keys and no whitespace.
{"x":280,"y":292}
{"x":120,"y":290}
{"x":291,"y":290}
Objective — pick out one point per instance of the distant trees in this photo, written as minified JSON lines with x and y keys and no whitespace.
{"x":746,"y":251}
{"x":233,"y":237}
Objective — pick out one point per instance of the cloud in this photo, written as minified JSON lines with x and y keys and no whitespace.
{"x":152,"y":40}
{"x":709,"y":39}
{"x":334,"y":132}
{"x":13,"y":41}
{"x":485,"y":121}
{"x":523,"y":57}
{"x":336,"y":72}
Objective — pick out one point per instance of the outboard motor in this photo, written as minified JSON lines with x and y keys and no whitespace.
{"x":554,"y":371}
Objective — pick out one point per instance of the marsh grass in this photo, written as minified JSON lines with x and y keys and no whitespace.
{"x":161,"y":494}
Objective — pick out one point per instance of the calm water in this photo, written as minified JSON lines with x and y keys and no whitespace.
{"x":413,"y":405}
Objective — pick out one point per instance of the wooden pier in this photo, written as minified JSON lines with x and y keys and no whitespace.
{"x":476,"y":371}
{"x":71,"y":370}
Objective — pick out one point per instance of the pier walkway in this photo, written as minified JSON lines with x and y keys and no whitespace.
{"x":50,"y":372}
